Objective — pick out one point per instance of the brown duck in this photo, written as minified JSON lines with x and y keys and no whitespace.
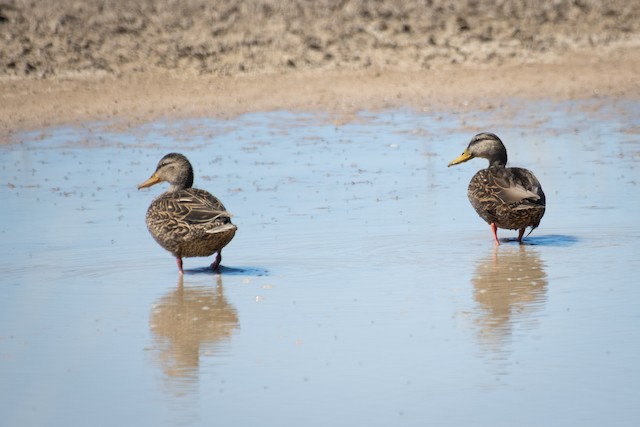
{"x":186,"y":221}
{"x":509,"y":198}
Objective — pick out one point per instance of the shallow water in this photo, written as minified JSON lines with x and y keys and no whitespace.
{"x":360,"y":289}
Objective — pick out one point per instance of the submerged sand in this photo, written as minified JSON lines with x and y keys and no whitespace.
{"x":127,"y":62}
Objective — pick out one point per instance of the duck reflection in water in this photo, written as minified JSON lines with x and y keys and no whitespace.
{"x":187,"y":323}
{"x":510,"y":287}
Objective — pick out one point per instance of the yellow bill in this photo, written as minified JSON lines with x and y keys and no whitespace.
{"x":461,"y":158}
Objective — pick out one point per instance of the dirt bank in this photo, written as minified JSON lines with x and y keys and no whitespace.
{"x":72,"y":61}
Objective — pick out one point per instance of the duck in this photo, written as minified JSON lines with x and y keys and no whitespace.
{"x":505,"y":197}
{"x":186,"y":221}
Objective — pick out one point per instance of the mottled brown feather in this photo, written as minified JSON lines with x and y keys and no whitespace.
{"x":510,"y":198}
{"x":190,"y":223}
{"x":490,"y":195}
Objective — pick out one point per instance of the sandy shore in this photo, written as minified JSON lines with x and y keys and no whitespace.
{"x":133,"y":61}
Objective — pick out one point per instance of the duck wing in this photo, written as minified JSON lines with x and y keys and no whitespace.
{"x":201,"y":207}
{"x":192,"y":208}
{"x":516,"y":185}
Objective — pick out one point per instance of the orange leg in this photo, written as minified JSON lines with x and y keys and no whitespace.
{"x":520,"y":234}
{"x":216,"y":263}
{"x":494,"y":229}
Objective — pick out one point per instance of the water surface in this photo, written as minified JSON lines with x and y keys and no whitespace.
{"x":360,"y":289}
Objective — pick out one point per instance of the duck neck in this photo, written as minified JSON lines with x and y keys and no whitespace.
{"x":183,"y":181}
{"x":498,"y":160}
{"x":175,"y":187}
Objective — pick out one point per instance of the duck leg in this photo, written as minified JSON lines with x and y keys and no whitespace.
{"x":494,"y":229}
{"x":520,"y":234}
{"x":216,"y":263}
{"x":179,"y":262}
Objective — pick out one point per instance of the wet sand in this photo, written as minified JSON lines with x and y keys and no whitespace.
{"x":132,"y":62}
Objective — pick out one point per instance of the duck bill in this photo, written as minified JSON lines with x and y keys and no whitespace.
{"x":461,"y":158}
{"x":151,"y":181}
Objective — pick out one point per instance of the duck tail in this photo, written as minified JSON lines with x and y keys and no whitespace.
{"x":533,"y":227}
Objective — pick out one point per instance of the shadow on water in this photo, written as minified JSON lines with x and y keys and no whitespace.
{"x":229,"y":271}
{"x":559,"y":240}
{"x":186,"y":324}
{"x":509,"y":287}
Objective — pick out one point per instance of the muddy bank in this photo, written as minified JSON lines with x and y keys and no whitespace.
{"x":137,"y":98}
{"x":67,"y":37}
{"x":74,"y":61}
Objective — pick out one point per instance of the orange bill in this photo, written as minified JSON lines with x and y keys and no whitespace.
{"x":151,"y":181}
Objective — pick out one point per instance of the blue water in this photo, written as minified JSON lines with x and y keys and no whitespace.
{"x":360,"y":289}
